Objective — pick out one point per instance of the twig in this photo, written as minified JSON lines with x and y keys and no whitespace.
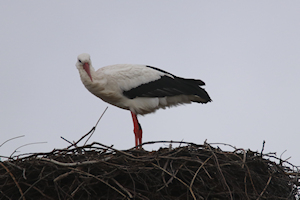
{"x":36,"y":183}
{"x":11,"y":139}
{"x":24,"y":174}
{"x":96,"y":125}
{"x":243,"y":165}
{"x":265,"y":188}
{"x":207,"y":173}
{"x":99,"y":179}
{"x":219,"y":168}
{"x":5,"y":195}
{"x":124,"y":189}
{"x":245,"y":184}
{"x":57,"y":188}
{"x":282,"y":154}
{"x":14,"y":165}
{"x":175,"y":178}
{"x":263,"y":147}
{"x":244,"y":156}
{"x":192,"y":182}
{"x":90,"y":132}
{"x":37,"y":189}
{"x":177,"y":170}
{"x":251,"y":180}
{"x":74,"y":192}
{"x":164,"y":141}
{"x":163,"y":173}
{"x":75,"y":143}
{"x":74,"y":163}
{"x":12,"y":176}
{"x":63,"y":176}
{"x":66,"y":140}
{"x":223,"y":144}
{"x":133,"y":182}
{"x":26,"y":145}
{"x":244,"y":159}
{"x":108,"y":147}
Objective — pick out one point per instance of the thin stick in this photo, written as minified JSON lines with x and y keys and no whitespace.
{"x":108,"y":147}
{"x":175,"y":178}
{"x":192,"y":182}
{"x":265,"y":188}
{"x":263,"y":147}
{"x":74,"y":163}
{"x":124,"y":189}
{"x":164,"y":141}
{"x":24,"y":146}
{"x":11,"y":139}
{"x":74,"y":192}
{"x":63,"y":176}
{"x":96,"y":125}
{"x":35,"y":183}
{"x":91,"y":175}
{"x":170,"y":180}
{"x":216,"y":143}
{"x":91,"y":131}
{"x":37,"y":189}
{"x":12,"y":176}
{"x":251,"y":180}
{"x":219,"y":168}
{"x":163,"y":174}
{"x":66,"y":140}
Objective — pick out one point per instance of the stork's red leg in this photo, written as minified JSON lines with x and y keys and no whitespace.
{"x":137,"y":129}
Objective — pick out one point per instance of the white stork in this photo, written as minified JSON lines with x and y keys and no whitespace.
{"x":139,"y":88}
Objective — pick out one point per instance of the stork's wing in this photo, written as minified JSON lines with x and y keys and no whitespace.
{"x":167,"y":86}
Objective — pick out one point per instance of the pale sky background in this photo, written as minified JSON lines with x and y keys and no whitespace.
{"x":247,"y":53}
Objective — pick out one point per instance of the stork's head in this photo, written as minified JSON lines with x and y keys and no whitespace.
{"x":84,"y":62}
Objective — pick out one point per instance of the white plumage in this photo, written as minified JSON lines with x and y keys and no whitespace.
{"x":139,"y":88}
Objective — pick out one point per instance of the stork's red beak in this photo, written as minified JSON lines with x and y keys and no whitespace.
{"x":86,"y":67}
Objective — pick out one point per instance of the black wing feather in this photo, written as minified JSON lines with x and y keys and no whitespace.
{"x":167,"y":86}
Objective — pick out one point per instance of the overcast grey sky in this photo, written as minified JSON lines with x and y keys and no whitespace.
{"x":247,"y":53}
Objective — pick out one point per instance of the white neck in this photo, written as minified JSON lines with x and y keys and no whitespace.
{"x":96,"y":84}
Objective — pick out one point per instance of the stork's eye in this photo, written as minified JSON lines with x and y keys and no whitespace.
{"x":79,"y":61}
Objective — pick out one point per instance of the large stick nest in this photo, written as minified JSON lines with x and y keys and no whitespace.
{"x":189,"y":171}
